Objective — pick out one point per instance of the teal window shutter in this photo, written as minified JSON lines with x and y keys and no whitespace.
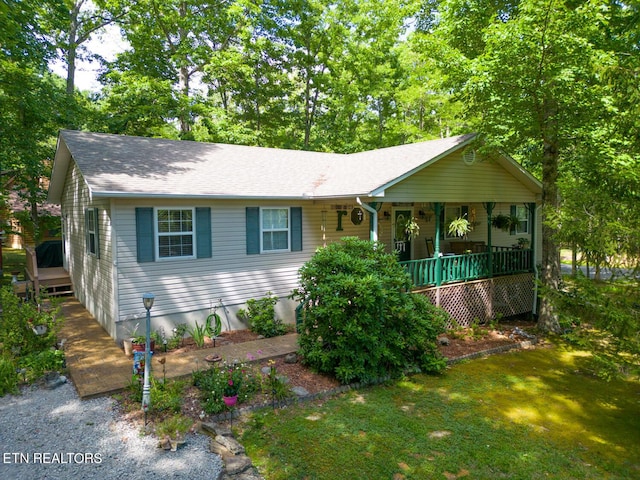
{"x":296,"y":229}
{"x":203,"y":232}
{"x":513,"y":212}
{"x":144,"y":235}
{"x":253,"y":230}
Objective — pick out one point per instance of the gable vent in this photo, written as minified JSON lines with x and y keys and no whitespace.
{"x":469,"y":156}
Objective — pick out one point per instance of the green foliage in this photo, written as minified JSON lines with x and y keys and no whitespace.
{"x":36,"y":364}
{"x":8,"y":375}
{"x":213,"y":384}
{"x":459,"y":227}
{"x":273,"y":384}
{"x":198,"y":333}
{"x":174,"y":426}
{"x":261,"y":316}
{"x":165,"y":396}
{"x":177,"y":336}
{"x":603,"y":318}
{"x":360,"y":321}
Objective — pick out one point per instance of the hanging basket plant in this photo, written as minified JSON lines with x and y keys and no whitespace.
{"x":505,"y":222}
{"x":459,"y":227}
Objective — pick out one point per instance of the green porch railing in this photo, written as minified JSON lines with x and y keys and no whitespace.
{"x":459,"y":268}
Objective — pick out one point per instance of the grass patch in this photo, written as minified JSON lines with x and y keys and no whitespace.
{"x":524,"y":415}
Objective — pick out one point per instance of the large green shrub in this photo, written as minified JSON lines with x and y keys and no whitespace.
{"x":261,"y":315}
{"x":360,"y":320}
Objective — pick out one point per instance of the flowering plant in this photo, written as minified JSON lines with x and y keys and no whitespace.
{"x":233,"y":376}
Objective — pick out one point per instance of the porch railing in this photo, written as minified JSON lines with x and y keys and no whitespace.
{"x":459,"y":268}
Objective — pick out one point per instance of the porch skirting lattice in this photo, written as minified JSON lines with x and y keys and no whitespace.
{"x":484,"y":299}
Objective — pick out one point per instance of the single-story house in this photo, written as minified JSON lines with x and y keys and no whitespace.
{"x":205,"y":226}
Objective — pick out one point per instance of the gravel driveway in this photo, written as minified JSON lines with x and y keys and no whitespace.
{"x":53,"y":434}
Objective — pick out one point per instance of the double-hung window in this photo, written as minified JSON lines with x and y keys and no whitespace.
{"x":91,"y":231}
{"x":522,"y":212}
{"x":275,"y":231}
{"x":175,"y":233}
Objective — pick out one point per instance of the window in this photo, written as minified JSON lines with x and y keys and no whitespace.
{"x":164,"y":233}
{"x":174,"y":229}
{"x":522,"y":212}
{"x":451,"y":213}
{"x":92,"y":231}
{"x":274,"y":229}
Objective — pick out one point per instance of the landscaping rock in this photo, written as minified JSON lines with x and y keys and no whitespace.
{"x":230,"y":444}
{"x":300,"y":391}
{"x":444,"y":341}
{"x":249,"y":474}
{"x":213,"y":429}
{"x":53,"y":380}
{"x":237,"y":464}
{"x":291,"y":358}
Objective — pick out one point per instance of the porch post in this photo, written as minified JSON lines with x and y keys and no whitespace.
{"x":437,"y":206}
{"x":489,"y":208}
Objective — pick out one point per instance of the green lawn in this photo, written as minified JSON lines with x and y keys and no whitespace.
{"x":524,"y":415}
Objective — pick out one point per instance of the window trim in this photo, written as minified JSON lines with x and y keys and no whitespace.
{"x":157,"y":234}
{"x":262,"y":230}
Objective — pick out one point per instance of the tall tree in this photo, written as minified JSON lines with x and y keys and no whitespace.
{"x":32,"y":101}
{"x":174,"y":40}
{"x":532,"y":77}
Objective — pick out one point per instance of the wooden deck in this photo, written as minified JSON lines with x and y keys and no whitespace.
{"x":55,"y":280}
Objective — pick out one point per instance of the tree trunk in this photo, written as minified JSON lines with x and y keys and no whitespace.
{"x":548,"y":319}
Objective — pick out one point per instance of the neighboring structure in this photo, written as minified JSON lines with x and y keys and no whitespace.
{"x":210,"y":225}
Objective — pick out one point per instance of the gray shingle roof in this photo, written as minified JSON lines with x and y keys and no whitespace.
{"x":117,"y":165}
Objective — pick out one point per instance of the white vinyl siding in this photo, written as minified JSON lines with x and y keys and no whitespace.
{"x":193,"y":285}
{"x":91,"y":275}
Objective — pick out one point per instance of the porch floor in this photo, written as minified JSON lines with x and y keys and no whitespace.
{"x":98,"y":367}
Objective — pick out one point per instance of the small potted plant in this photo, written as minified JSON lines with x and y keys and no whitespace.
{"x":139,"y":343}
{"x":172,"y":431}
{"x":232,"y":382}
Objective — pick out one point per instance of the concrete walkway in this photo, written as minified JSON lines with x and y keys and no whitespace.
{"x":97,"y":366}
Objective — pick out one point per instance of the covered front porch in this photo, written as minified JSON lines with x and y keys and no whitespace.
{"x":489,"y":272}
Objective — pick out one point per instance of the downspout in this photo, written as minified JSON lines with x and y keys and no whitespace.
{"x":373,"y":231}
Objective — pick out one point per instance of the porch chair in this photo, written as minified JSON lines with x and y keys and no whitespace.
{"x":430,"y":247}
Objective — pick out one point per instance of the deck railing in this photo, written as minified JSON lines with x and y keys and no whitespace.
{"x":459,"y":268}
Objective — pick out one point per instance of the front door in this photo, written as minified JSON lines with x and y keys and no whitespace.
{"x":401,"y":241}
